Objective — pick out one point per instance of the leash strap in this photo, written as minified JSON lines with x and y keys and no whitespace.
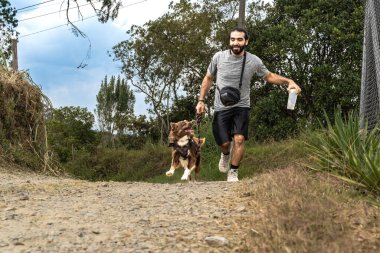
{"x":242,"y":70}
{"x":199,"y":118}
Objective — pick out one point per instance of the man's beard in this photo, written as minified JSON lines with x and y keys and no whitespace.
{"x":237,"y":49}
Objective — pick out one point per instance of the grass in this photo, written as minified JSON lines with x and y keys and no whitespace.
{"x":297,"y":210}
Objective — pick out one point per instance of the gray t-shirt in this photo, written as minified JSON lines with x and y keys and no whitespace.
{"x":226,"y":67}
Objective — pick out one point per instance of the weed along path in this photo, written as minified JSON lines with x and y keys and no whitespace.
{"x":48,"y":214}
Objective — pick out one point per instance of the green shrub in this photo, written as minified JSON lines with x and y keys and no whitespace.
{"x":120,"y":164}
{"x":347,"y":152}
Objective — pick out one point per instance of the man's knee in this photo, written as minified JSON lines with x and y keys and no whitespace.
{"x":225,"y":145}
{"x":239,"y":139}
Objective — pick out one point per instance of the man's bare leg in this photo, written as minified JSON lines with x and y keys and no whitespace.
{"x":225,"y":147}
{"x":225,"y":157}
{"x":237,"y":156}
{"x":238,"y":149}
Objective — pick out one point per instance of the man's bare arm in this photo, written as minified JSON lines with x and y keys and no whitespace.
{"x":205,"y":87}
{"x":280,"y":80}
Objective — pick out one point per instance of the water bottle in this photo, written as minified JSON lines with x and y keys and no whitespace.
{"x":292,"y":99}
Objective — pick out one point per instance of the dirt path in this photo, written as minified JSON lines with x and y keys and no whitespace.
{"x":47,"y":214}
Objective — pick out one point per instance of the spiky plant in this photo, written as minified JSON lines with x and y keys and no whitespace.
{"x":347,"y":152}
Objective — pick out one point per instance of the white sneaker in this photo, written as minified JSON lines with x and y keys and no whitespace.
{"x":232,"y":176}
{"x":224,"y":163}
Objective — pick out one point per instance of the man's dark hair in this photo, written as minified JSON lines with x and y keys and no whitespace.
{"x":239,"y":29}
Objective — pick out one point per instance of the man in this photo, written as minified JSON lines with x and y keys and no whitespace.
{"x":230,"y":124}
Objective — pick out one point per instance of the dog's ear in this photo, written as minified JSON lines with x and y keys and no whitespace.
{"x":172,"y":125}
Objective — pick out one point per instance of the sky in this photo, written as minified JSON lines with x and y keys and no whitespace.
{"x":51,"y":53}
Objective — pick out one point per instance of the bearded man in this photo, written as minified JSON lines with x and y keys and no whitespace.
{"x":235,"y":68}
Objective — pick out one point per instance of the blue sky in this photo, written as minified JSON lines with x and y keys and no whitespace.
{"x":51,"y":57}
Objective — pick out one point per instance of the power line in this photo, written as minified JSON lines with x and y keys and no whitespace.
{"x":46,"y":14}
{"x":30,"y":6}
{"x":39,"y":7}
{"x":48,"y":29}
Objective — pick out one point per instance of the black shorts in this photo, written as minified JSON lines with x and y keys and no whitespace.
{"x":229,"y":122}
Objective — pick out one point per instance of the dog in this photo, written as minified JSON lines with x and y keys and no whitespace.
{"x":186,"y":149}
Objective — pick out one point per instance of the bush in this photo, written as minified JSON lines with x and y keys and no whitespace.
{"x":120,"y":164}
{"x":348,"y":152}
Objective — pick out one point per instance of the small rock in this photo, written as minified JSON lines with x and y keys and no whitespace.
{"x":241,"y":209}
{"x":216,"y":241}
{"x":25,"y":197}
{"x":3,"y":244}
{"x":247,"y":194}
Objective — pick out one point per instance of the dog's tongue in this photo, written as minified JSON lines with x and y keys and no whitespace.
{"x":190,"y":131}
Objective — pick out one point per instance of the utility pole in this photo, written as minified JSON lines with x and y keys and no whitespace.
{"x":241,"y":13}
{"x":14,"y":54}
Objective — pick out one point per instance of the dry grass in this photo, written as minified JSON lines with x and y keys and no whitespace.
{"x":300,"y":211}
{"x":23,"y":111}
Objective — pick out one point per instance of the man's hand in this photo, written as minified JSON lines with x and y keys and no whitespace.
{"x":200,"y":107}
{"x":293,"y":85}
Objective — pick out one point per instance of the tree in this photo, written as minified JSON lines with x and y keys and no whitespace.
{"x":70,"y":130}
{"x":8,"y":23}
{"x":115,"y":102}
{"x":316,"y":43}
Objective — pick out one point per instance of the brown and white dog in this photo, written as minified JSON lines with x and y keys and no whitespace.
{"x":185,"y":149}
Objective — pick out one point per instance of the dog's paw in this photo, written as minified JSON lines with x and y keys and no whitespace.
{"x":186,"y":175}
{"x":170,"y":173}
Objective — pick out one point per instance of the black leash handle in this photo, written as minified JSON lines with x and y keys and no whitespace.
{"x":199,"y":118}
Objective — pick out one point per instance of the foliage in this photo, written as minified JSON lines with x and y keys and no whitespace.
{"x":345,"y":151}
{"x":140,"y":131}
{"x":270,"y":120}
{"x":324,"y":58}
{"x":70,"y":131}
{"x":109,"y":9}
{"x":183,"y":108}
{"x":115,"y":102}
{"x":120,"y":164}
{"x":8,"y":23}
